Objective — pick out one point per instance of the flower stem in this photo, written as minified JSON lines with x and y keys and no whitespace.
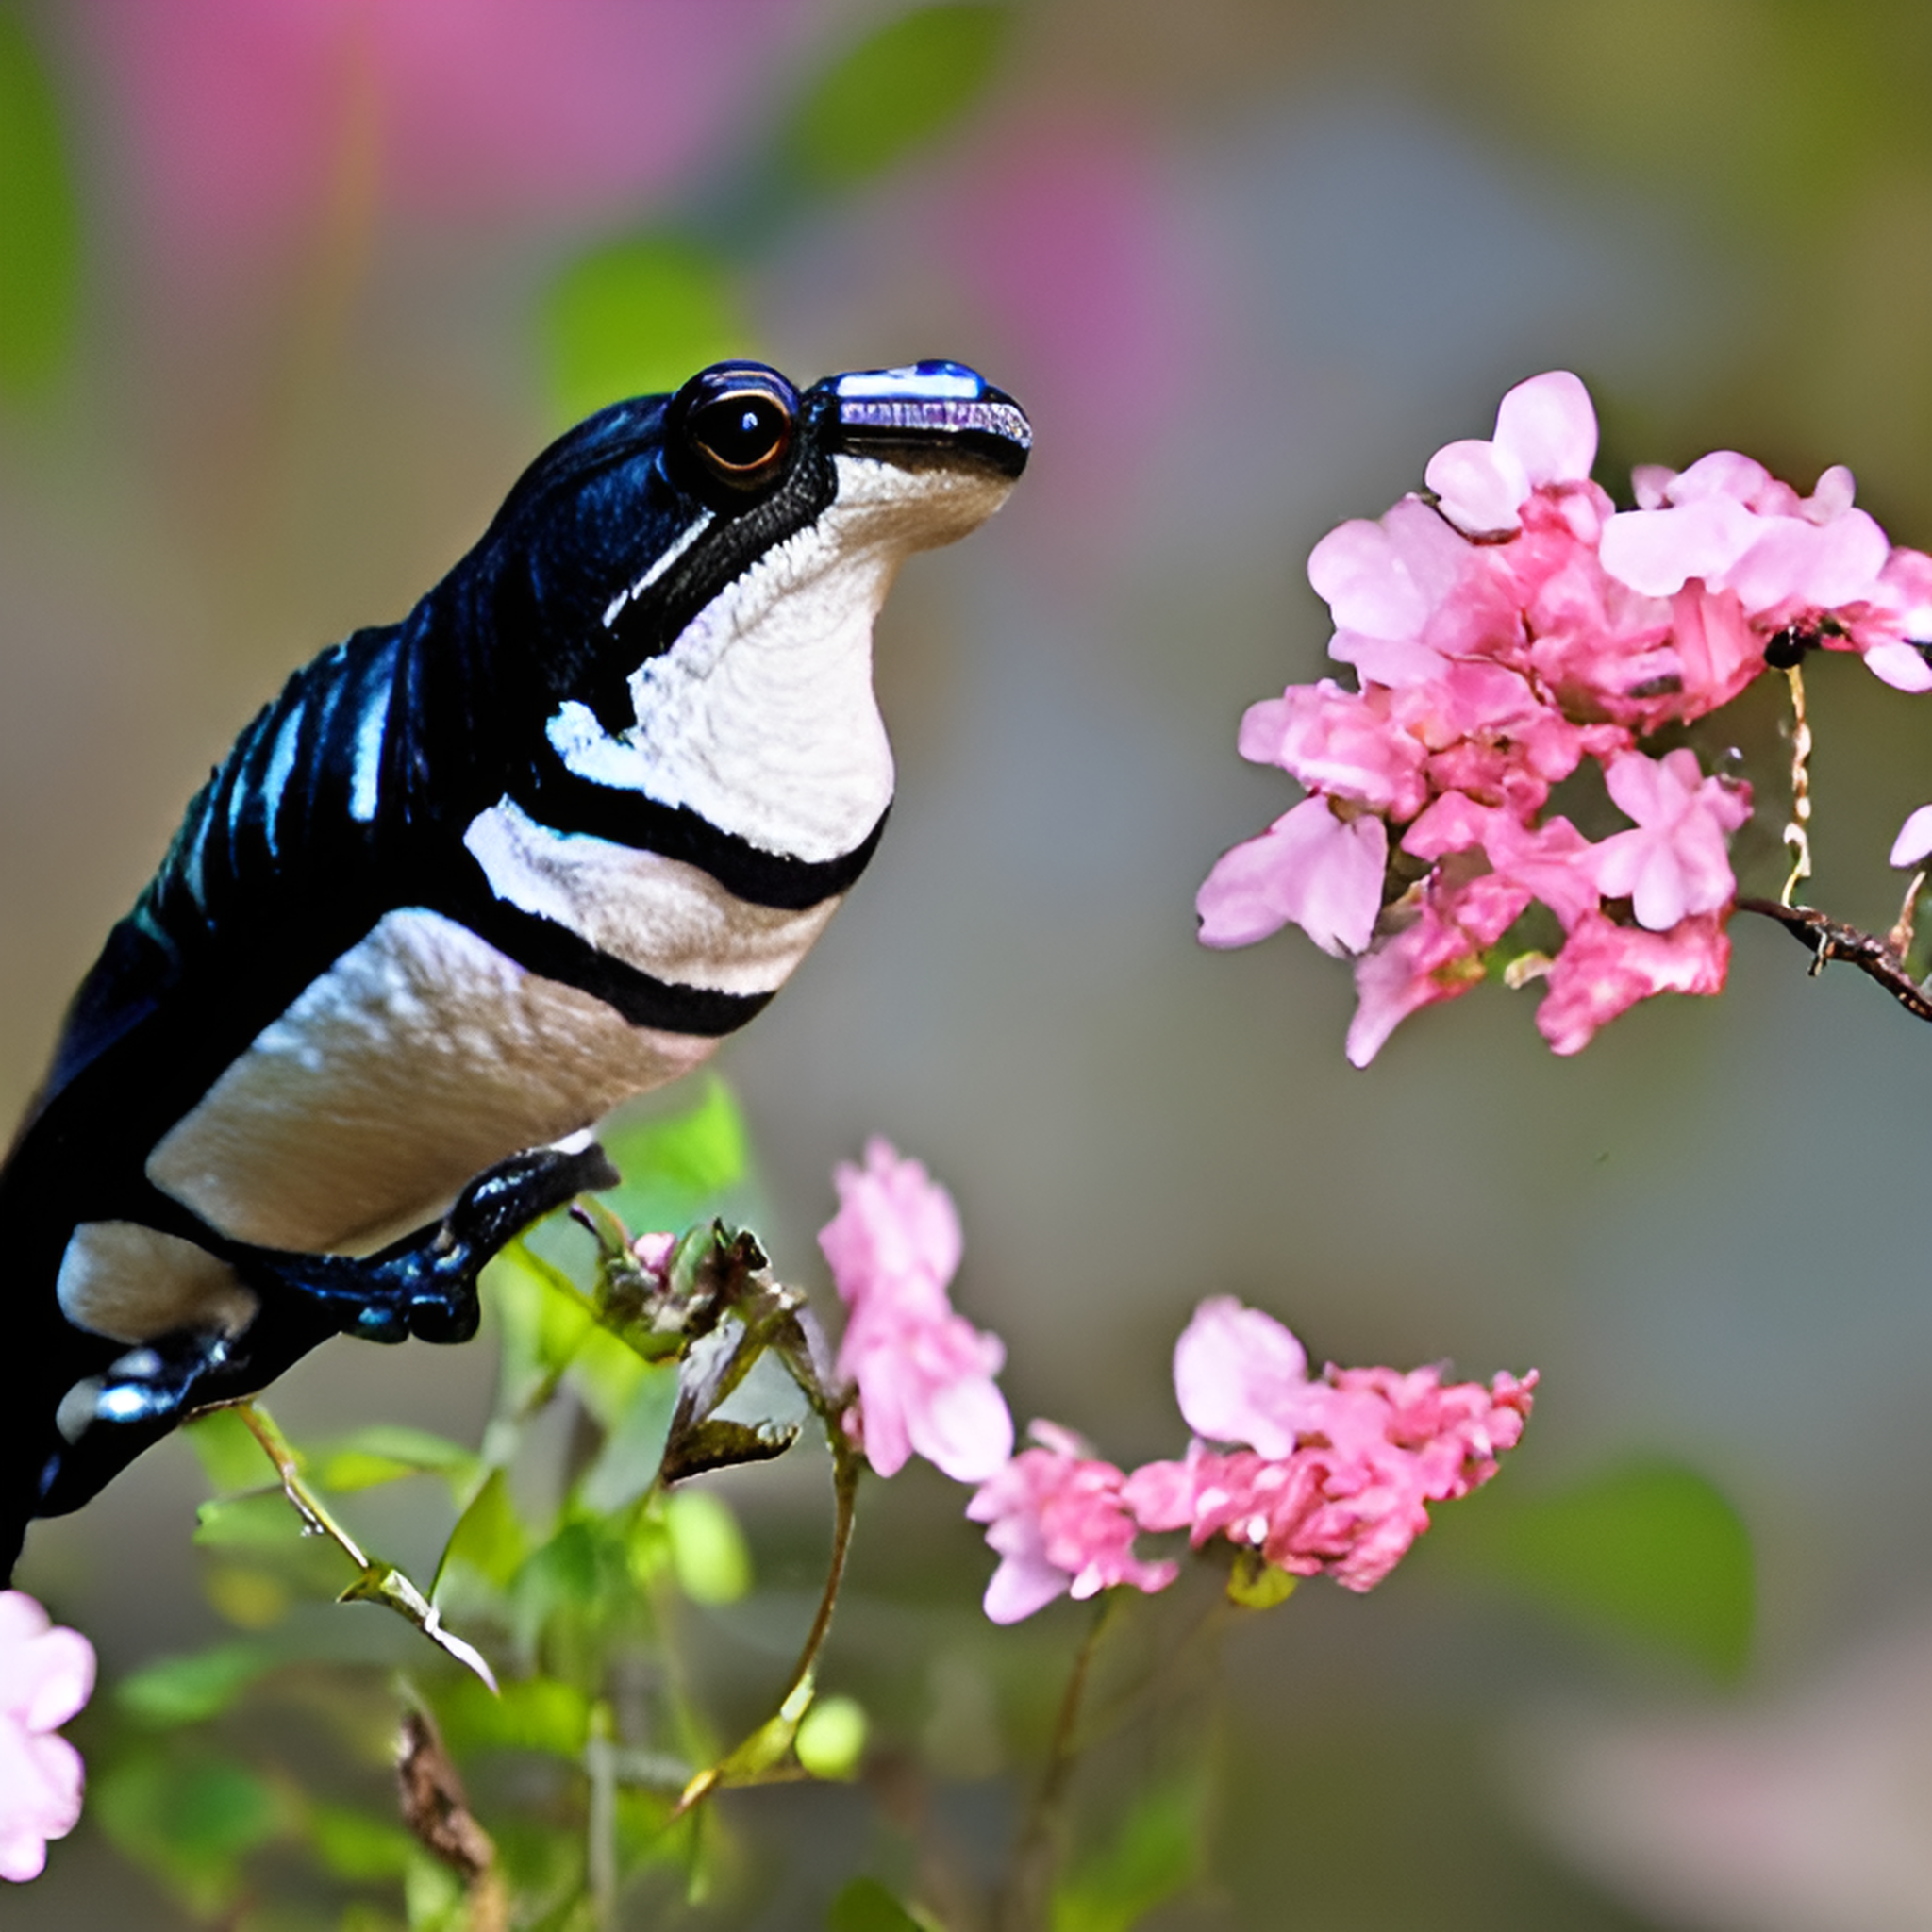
{"x":1798,"y":831}
{"x":1025,"y":1905}
{"x":765,"y":1756}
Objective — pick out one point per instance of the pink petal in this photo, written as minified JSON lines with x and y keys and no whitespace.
{"x":1723,"y":472}
{"x":1900,"y":665}
{"x":1658,"y":551}
{"x":1021,"y":1586}
{"x":1914,"y":841}
{"x":1833,"y":495}
{"x":964,"y":1430}
{"x":1357,"y":571}
{"x":1549,"y":424}
{"x":1239,"y":1377}
{"x":1309,"y":867}
{"x":1480,"y":487}
{"x":1651,"y":483}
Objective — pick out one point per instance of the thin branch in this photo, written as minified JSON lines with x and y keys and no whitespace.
{"x":764,"y":1757}
{"x":1828,"y":938}
{"x":1029,"y":1887}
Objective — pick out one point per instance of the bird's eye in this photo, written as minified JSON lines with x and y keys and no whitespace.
{"x":735,"y":421}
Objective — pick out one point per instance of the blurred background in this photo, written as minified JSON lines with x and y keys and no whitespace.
{"x":291,"y":289}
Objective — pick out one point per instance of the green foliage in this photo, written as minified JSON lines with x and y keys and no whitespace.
{"x":866,"y":1906}
{"x":635,"y":318}
{"x":39,"y":224}
{"x":188,"y":1690}
{"x":676,"y":1170}
{"x":708,"y":1554}
{"x":357,"y":1847}
{"x":489,"y":1540}
{"x":386,"y":1451}
{"x":189,"y":1820}
{"x":230,"y":1456}
{"x":1154,"y":1854}
{"x":1650,"y":1550}
{"x":898,"y":89}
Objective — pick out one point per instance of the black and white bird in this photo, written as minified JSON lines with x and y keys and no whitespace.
{"x":468,"y":882}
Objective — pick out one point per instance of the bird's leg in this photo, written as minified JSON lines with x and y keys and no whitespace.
{"x":425,"y":1284}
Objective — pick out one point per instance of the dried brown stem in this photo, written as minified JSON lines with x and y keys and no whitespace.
{"x":1828,"y":938}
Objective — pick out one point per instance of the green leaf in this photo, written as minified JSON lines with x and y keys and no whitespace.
{"x":185,"y":1690}
{"x":230,"y":1456}
{"x":1256,"y":1584}
{"x":1650,"y":1550}
{"x":675,"y":1170}
{"x":529,"y":1714}
{"x":489,"y":1538}
{"x":627,"y":1464}
{"x":39,"y":224}
{"x":266,"y":1530}
{"x":709,"y":1552}
{"x":543,"y":1321}
{"x":608,"y":1374}
{"x":189,"y":1820}
{"x":385,"y":1451}
{"x":866,"y":1906}
{"x":636,"y":318}
{"x":897,"y":89}
{"x":358,"y":1847}
{"x":1155,"y":1854}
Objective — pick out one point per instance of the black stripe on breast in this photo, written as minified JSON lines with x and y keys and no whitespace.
{"x":541,"y":945}
{"x":556,"y":796}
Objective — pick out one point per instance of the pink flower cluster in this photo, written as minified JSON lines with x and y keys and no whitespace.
{"x":1504,"y":629}
{"x":1332,"y":1473}
{"x":46,"y":1675}
{"x":925,"y":1375}
{"x":1338,"y":1468}
{"x":1334,"y":1476}
{"x":1061,"y":1526}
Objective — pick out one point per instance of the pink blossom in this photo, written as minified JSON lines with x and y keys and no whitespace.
{"x":1674,"y":864}
{"x":1239,"y":1377}
{"x":1431,"y":958}
{"x":1337,"y":742}
{"x":1319,"y":872}
{"x":1605,"y":968}
{"x":1340,"y":1468}
{"x":1056,"y":1520}
{"x":1555,"y":862}
{"x":1546,"y":434}
{"x":925,"y":1375}
{"x":46,"y":1675}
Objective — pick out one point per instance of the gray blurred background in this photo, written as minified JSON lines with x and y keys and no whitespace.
{"x":1247,"y":263}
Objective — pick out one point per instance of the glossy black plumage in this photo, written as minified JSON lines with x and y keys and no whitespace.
{"x":349,"y":799}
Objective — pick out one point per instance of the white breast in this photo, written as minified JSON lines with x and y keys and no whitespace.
{"x":422,"y":1056}
{"x":761,"y":717}
{"x":668,"y":919}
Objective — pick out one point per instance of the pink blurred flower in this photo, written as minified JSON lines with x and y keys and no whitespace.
{"x":925,"y":1375}
{"x":1056,"y":1520}
{"x":46,"y":1676}
{"x":1674,"y":864}
{"x":1340,"y":1468}
{"x":1322,"y":872}
{"x":237,"y":111}
{"x":1605,"y":968}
